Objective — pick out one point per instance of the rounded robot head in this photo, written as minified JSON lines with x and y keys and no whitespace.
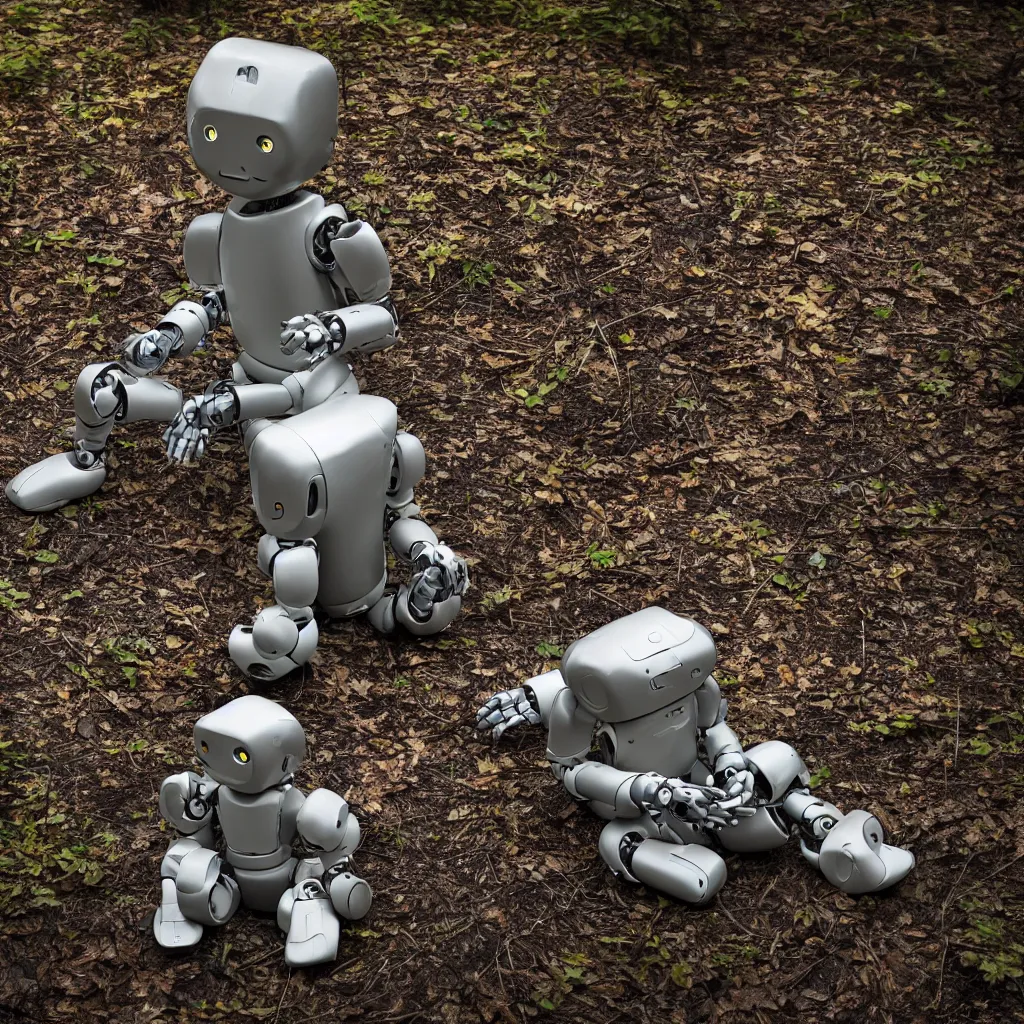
{"x":854,"y":856}
{"x":250,"y":744}
{"x":262,"y":117}
{"x":638,"y":664}
{"x":288,"y":486}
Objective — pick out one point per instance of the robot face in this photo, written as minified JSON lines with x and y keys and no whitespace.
{"x":288,"y":486}
{"x":262,"y":117}
{"x":854,"y":854}
{"x":250,"y":744}
{"x":638,"y":664}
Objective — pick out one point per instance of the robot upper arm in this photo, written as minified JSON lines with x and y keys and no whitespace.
{"x":351,"y":252}
{"x":291,"y":805}
{"x":709,"y":703}
{"x":202,"y":251}
{"x":570,"y":729}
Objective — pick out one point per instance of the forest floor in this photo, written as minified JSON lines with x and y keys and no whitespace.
{"x":733,"y":326}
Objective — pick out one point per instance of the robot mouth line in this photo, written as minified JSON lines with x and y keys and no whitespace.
{"x":242,"y":177}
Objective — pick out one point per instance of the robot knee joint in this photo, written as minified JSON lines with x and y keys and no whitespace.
{"x":205,"y":894}
{"x":100,"y":394}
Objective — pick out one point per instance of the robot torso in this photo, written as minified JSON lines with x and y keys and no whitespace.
{"x":268,"y":278}
{"x":252,"y":827}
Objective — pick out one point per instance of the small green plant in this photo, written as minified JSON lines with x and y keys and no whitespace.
{"x":474,"y":273}
{"x":497,"y":598}
{"x":435,"y":255}
{"x":535,"y":398}
{"x":546,"y":650}
{"x":603,"y":558}
{"x":10,"y":597}
{"x":128,"y":652}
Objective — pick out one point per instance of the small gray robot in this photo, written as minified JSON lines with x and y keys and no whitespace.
{"x":261,"y":120}
{"x":249,"y":750}
{"x":671,"y":777}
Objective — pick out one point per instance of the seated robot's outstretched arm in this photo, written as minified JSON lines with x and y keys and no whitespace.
{"x":284,"y":635}
{"x":309,"y":911}
{"x":530,"y":703}
{"x":226,"y":402}
{"x":351,"y":252}
{"x":439,"y":577}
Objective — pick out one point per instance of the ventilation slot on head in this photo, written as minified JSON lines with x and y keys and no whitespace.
{"x":250,"y":74}
{"x":313,"y":500}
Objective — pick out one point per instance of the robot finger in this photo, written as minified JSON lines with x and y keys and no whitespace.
{"x":501,"y":727}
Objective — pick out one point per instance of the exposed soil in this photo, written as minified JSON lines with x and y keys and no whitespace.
{"x":734,"y":327}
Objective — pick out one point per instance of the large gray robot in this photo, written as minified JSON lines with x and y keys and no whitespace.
{"x":261,"y":120}
{"x":249,"y":750}
{"x":671,"y":777}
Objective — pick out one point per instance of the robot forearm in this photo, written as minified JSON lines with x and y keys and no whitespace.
{"x":185,"y":325}
{"x":606,"y":785}
{"x":365,"y":327}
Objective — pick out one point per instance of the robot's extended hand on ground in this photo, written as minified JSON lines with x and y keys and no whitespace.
{"x":438,"y":574}
{"x":505,"y":710}
{"x":200,"y":416}
{"x":310,"y":332}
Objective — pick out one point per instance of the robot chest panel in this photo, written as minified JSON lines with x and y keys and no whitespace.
{"x":251,"y":823}
{"x":268,"y":277}
{"x":664,"y":742}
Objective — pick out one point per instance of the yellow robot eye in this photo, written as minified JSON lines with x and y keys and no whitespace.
{"x":266,"y":143}
{"x":242,"y":755}
{"x":204,"y":747}
{"x":210,"y":133}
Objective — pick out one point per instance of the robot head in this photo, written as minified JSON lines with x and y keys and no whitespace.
{"x":261,"y":117}
{"x":250,"y":744}
{"x":288,"y":486}
{"x":854,"y":857}
{"x":638,"y":664}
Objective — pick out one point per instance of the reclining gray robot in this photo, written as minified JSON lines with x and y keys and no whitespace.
{"x":249,"y":750}
{"x":261,"y":120}
{"x":643,"y":686}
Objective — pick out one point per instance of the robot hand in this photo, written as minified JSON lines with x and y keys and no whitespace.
{"x":505,"y":710}
{"x":200,"y":416}
{"x":317,"y":333}
{"x":144,"y":354}
{"x":683,"y":800}
{"x":438,"y":574}
{"x":738,"y":785}
{"x":186,"y":801}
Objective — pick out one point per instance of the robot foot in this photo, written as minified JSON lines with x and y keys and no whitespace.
{"x":313,"y":928}
{"x":854,"y":858}
{"x":170,"y":926}
{"x":54,"y":482}
{"x":254,"y":665}
{"x":690,"y":873}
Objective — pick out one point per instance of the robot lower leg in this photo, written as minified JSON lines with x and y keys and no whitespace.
{"x":195,"y":893}
{"x":105,"y":394}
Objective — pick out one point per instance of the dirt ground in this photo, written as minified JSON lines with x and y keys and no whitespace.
{"x":731,"y":324}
